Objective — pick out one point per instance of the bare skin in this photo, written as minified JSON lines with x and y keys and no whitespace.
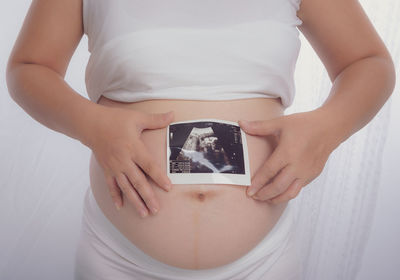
{"x":358,"y":63}
{"x":363,"y":77}
{"x":356,"y":59}
{"x":194,"y":219}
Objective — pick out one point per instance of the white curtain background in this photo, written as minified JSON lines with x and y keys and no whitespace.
{"x":347,"y":218}
{"x":335,"y":212}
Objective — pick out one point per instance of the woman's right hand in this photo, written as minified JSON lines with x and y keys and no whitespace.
{"x":115,"y":141}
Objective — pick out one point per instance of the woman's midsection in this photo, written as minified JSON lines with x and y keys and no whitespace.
{"x":198,"y":226}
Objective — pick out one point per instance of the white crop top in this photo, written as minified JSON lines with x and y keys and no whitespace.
{"x":191,"y":49}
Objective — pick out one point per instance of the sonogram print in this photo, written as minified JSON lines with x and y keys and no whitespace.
{"x":205,"y":147}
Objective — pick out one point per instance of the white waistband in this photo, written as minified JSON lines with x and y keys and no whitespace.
{"x":264,"y":254}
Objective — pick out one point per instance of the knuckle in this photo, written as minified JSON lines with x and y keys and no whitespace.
{"x":273,"y":188}
{"x":256,"y":180}
{"x":122,"y":184}
{"x":304,"y":183}
{"x":140,"y":183}
{"x":315,"y":172}
{"x":150,"y":168}
{"x":269,"y":189}
{"x":292,"y":194}
{"x":132,"y":176}
{"x":159,"y":178}
{"x":145,"y":163}
{"x":295,"y":190}
{"x":120,"y":177}
{"x":261,"y":194}
{"x":138,"y":186}
{"x":280,"y":188}
{"x":113,"y":194}
{"x":133,"y":197}
{"x":134,"y":181}
{"x":123,"y":187}
{"x":115,"y":197}
{"x":111,"y":188}
{"x":137,"y":152}
{"x":268,"y":170}
{"x":274,"y":192}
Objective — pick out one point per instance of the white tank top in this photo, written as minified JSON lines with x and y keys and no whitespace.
{"x":191,"y":49}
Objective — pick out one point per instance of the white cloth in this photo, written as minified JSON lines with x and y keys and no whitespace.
{"x":190,"y":49}
{"x":104,"y":254}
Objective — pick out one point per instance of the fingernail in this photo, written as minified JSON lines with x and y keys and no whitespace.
{"x":252,"y":191}
{"x":154,"y":209}
{"x":154,"y":206}
{"x":143,"y":213}
{"x":117,"y":206}
{"x":168,"y":187}
{"x":244,"y":122}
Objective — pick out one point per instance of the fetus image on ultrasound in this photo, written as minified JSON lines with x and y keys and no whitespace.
{"x":205,"y":147}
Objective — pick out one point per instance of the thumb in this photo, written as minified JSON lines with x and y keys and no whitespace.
{"x":157,"y":120}
{"x":261,"y":127}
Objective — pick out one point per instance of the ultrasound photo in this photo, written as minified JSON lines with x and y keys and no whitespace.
{"x":207,"y":151}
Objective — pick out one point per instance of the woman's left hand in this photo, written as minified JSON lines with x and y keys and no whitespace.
{"x":305,"y":141}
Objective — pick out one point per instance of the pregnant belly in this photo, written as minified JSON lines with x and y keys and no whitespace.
{"x":199,"y":226}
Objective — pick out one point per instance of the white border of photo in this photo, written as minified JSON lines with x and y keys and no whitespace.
{"x":211,"y":178}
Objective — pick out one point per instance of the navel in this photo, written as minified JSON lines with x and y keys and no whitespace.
{"x":200,"y":195}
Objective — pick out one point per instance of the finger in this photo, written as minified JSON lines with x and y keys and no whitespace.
{"x":292,"y":191}
{"x":261,"y":127}
{"x":142,"y":186}
{"x":156,"y":120}
{"x":267,"y":171}
{"x":115,"y":191}
{"x":131,"y":194}
{"x":279,"y":184}
{"x":146,"y":162}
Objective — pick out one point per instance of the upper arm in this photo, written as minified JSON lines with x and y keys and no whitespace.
{"x":340,"y":33}
{"x":51,"y":31}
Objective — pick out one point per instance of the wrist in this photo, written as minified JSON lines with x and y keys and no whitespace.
{"x":333,"y":128}
{"x":89,"y":121}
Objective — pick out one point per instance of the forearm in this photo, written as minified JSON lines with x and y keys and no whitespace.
{"x":357,"y":94}
{"x":48,"y":99}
